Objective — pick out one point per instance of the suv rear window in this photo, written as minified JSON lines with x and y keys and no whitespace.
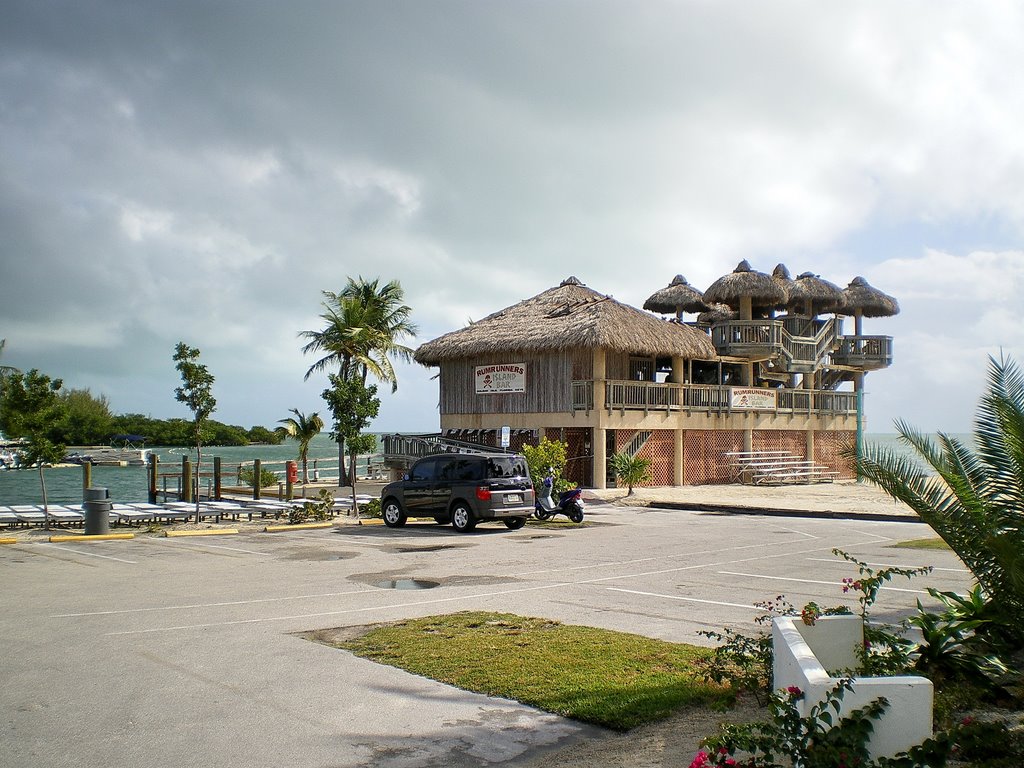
{"x":462,"y":470}
{"x":507,"y":466}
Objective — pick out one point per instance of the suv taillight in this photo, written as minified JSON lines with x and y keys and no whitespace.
{"x":483,"y":493}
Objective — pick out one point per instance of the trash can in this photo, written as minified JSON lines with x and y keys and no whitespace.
{"x":97,"y":511}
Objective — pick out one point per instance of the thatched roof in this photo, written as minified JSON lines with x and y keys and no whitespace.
{"x":568,"y":316}
{"x":746,"y":282}
{"x":809,"y":288}
{"x":717,"y":314}
{"x":781,"y":276}
{"x":860,"y":296}
{"x":678,"y":297}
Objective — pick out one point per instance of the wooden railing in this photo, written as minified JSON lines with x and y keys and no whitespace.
{"x":868,"y":352}
{"x":651,"y":396}
{"x":803,"y":342}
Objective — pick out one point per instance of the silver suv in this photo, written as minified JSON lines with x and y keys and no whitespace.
{"x":462,"y":489}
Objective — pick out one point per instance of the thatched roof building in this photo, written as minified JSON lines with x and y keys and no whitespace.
{"x":570,"y":315}
{"x":677,"y":297}
{"x":745,"y":287}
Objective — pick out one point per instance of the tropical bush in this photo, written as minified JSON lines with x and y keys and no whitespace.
{"x":972,"y":497}
{"x":547,"y":455}
{"x":246,"y":476}
{"x":630,"y":470}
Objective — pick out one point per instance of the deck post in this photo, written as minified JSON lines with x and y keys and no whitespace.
{"x":186,"y":479}
{"x":86,"y":475}
{"x":153,"y":475}
{"x":257,"y":470}
{"x":216,"y":478}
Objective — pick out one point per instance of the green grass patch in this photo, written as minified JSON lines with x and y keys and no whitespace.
{"x":613,"y":679}
{"x":922,"y":544}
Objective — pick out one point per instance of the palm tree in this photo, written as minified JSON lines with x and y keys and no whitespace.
{"x":973,"y":498}
{"x":388,"y":316}
{"x":364,"y":326}
{"x":631,"y":470}
{"x":303,"y":429}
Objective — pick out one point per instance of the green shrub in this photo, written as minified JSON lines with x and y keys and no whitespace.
{"x":246,"y":477}
{"x":371,"y":509}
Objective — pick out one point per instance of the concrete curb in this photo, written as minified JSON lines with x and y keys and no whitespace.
{"x":296,"y":527}
{"x":824,"y":514}
{"x":211,"y":532}
{"x":8,"y":541}
{"x":92,"y":537}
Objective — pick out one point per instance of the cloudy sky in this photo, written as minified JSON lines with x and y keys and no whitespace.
{"x":201,"y":171}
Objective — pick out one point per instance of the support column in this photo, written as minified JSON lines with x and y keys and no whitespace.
{"x":86,"y":476}
{"x":600,"y":377}
{"x":257,"y":474}
{"x":810,"y":444}
{"x":679,"y":468}
{"x":858,"y":388}
{"x":600,"y":443}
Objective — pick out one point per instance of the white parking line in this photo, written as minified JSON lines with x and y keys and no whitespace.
{"x":685,"y":599}
{"x":814,"y":581}
{"x":211,"y":605}
{"x":461,"y":598}
{"x":886,"y":565}
{"x":179,"y":543}
{"x":87,"y":554}
{"x":388,"y":606}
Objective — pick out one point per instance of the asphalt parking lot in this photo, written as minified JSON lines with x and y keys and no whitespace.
{"x":182,"y":652}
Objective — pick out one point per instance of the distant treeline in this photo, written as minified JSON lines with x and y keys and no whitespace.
{"x":82,"y":418}
{"x":178,"y":432}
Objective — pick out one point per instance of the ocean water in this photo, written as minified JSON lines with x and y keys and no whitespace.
{"x":126,"y":484}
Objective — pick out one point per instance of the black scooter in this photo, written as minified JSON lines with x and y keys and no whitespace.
{"x":570,"y":503}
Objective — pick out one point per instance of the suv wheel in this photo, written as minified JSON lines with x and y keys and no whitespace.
{"x":462,"y":518}
{"x":394,"y":515}
{"x":515,"y":523}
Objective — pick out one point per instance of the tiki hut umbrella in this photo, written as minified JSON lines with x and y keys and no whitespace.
{"x":716,"y":314}
{"x":781,"y":276}
{"x":743,"y":288}
{"x":678,"y":297}
{"x":861,"y":300}
{"x":569,"y":315}
{"x":813,"y":295}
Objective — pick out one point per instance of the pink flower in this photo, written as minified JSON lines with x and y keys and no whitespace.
{"x":700,"y":761}
{"x":794,"y":691}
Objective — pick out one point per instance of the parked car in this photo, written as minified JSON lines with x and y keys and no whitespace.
{"x":462,"y":489}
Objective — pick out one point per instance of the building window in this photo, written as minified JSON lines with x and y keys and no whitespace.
{"x":641,"y":369}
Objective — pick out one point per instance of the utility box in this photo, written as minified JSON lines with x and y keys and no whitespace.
{"x":97,"y":511}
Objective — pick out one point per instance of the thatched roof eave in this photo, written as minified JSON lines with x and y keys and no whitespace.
{"x":569,"y":316}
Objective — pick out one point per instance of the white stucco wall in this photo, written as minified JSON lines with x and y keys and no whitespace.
{"x":908,"y":720}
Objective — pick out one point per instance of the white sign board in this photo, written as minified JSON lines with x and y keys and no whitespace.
{"x":500,"y":379}
{"x":753,"y":398}
{"x":506,"y":435}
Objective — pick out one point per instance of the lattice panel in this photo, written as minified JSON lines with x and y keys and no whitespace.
{"x":704,"y":457}
{"x":660,"y":449}
{"x":793,"y":441}
{"x":829,"y":448}
{"x":578,"y":452}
